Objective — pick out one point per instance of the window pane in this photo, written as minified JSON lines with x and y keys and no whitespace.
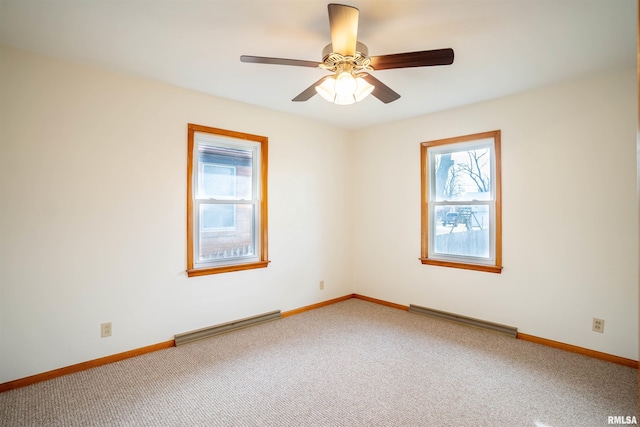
{"x":217,"y":181}
{"x":236,"y":241}
{"x":462,"y":230}
{"x":224,"y":173}
{"x":217,"y":217}
{"x":462,"y":175}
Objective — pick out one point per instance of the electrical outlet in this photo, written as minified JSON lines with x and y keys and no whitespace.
{"x":322,"y":285}
{"x":598,"y":325}
{"x":105,"y":330}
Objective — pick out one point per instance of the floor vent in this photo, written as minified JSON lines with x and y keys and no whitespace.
{"x":496,"y":327}
{"x":211,"y":331}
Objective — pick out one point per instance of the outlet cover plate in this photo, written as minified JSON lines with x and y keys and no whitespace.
{"x":598,"y":325}
{"x":105,"y":330}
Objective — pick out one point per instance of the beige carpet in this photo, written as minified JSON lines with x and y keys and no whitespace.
{"x":353,"y":363}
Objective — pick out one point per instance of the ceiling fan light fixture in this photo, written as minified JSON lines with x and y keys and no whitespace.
{"x":326,"y":89}
{"x":345,"y":84}
{"x":344,"y":88}
{"x":363,"y":89}
{"x":344,"y":100}
{"x":349,"y":61}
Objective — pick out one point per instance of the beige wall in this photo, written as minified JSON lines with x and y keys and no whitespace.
{"x":92,"y":219}
{"x":93,"y":190}
{"x":570,"y":214}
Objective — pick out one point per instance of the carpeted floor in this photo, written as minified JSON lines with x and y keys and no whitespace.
{"x":353,"y":363}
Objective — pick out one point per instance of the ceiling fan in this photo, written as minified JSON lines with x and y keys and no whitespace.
{"x":351,"y":65}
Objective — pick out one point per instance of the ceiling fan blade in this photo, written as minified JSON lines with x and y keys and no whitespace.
{"x":343,"y":21}
{"x":381,"y":91}
{"x":278,"y":61}
{"x":423,"y":58}
{"x":306,"y":94}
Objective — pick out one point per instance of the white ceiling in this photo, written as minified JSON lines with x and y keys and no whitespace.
{"x":501,"y":46}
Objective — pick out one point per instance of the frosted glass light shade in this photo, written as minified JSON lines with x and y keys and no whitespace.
{"x":326,"y":89}
{"x":344,"y":100}
{"x":345,"y":84}
{"x":344,"y":89}
{"x":363,"y":89}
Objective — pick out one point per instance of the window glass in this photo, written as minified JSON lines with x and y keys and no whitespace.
{"x":462,"y":173}
{"x":226,"y":239}
{"x":216,"y":181}
{"x":462,"y":230}
{"x":217,"y":217}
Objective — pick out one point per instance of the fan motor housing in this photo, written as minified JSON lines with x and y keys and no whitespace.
{"x":361,"y":50}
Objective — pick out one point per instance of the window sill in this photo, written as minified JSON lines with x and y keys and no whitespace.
{"x":193,"y":272}
{"x":478,"y":267}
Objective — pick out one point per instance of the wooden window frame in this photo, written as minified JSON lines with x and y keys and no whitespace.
{"x":262,"y":233}
{"x":495,"y":267}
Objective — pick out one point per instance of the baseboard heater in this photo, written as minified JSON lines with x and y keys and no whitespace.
{"x":496,"y":327}
{"x":211,"y":331}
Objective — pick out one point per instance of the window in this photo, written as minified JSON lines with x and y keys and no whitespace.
{"x":226,"y":201}
{"x":461,"y":205}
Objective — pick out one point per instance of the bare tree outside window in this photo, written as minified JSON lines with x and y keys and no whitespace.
{"x":461,"y":172}
{"x":477,"y":168}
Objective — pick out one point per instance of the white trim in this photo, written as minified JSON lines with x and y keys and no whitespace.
{"x":220,"y":141}
{"x":484,"y":143}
